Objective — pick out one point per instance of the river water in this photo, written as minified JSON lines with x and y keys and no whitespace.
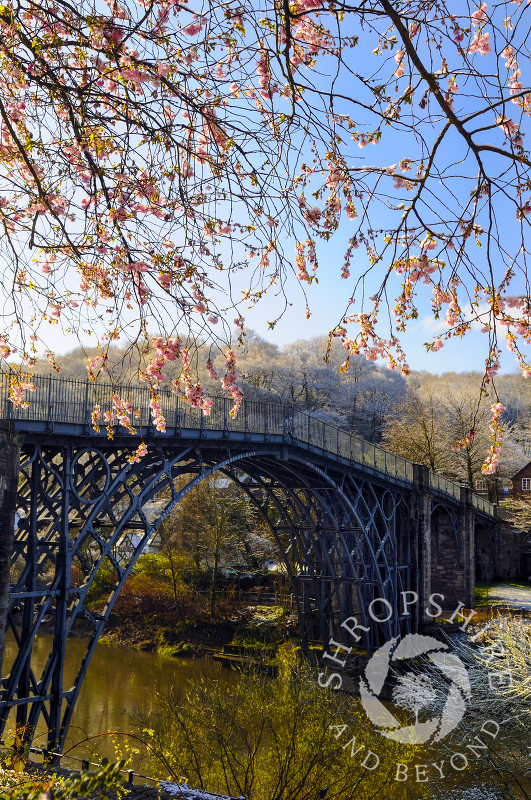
{"x":120,"y":681}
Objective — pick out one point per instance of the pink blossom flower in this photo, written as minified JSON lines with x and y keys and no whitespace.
{"x":480,"y":43}
{"x":139,"y":453}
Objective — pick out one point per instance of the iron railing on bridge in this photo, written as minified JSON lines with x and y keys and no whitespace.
{"x":60,"y":400}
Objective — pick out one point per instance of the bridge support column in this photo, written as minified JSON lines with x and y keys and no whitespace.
{"x":9,"y":467}
{"x":512,"y":551}
{"x":421,"y":502}
{"x":467,"y":547}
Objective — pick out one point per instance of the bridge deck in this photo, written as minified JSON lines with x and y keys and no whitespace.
{"x":64,"y":406}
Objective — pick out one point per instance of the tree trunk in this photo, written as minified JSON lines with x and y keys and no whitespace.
{"x":174,"y":582}
{"x":470,"y":471}
{"x":215,"y":568}
{"x":9,"y":461}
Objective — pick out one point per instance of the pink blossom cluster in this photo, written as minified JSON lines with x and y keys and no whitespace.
{"x":481,"y":41}
{"x":453,"y":315}
{"x":363,"y":139}
{"x":211,"y":371}
{"x":165,"y":279}
{"x":139,"y":453}
{"x":374,"y":346}
{"x":230,"y":382}
{"x":156,"y":413}
{"x":267,"y":89}
{"x":466,"y":441}
{"x":353,"y":245}
{"x":417,"y":267}
{"x":308,"y":37}
{"x":511,"y":129}
{"x":95,"y":418}
{"x":300,"y":263}
{"x":196,"y":26}
{"x":310,"y":5}
{"x":399,"y":58}
{"x":436,"y":344}
{"x":336,"y":177}
{"x":17,"y":391}
{"x":304,"y":259}
{"x":123,"y":410}
{"x":440,"y":296}
{"x":201,"y":305}
{"x":514,"y":81}
{"x":452,"y":89}
{"x":193,"y":393}
{"x":398,"y":181}
{"x":492,"y":368}
{"x":95,"y":363}
{"x":496,"y":435}
{"x":521,"y":324}
{"x":479,"y":17}
{"x":311,"y":214}
{"x":350,"y":210}
{"x":169,"y":350}
{"x":212,"y":136}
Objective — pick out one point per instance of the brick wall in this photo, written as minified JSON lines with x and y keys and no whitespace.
{"x":447,"y":561}
{"x":510,"y":555}
{"x":523,"y":475}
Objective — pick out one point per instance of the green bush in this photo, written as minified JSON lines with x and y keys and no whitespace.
{"x":198,"y":577}
{"x":94,"y":784}
{"x":267,"y":739}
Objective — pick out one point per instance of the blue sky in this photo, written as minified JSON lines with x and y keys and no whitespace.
{"x":327,"y":300}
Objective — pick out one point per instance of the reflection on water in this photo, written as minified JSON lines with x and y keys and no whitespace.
{"x":118,"y":681}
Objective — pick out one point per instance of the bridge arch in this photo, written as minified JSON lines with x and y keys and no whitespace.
{"x":79,"y":501}
{"x":485,"y":551}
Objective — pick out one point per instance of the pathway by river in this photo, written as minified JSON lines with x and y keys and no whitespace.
{"x":508,"y":594}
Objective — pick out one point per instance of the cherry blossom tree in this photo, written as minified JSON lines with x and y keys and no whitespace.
{"x":166,"y":164}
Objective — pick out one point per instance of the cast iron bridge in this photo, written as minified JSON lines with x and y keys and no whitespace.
{"x":355,"y":524}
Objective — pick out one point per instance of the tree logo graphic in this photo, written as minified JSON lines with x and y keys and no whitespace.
{"x":415,"y":691}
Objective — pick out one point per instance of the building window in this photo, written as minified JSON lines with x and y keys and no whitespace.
{"x":481,"y":486}
{"x":526,"y":484}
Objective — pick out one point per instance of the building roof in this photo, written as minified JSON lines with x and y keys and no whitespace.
{"x":522,"y":471}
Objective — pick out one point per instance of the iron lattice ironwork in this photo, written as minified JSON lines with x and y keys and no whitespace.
{"x":339,"y":510}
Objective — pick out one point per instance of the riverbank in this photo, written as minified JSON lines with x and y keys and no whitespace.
{"x":240,"y":634}
{"x":35,"y":781}
{"x":253,"y":631}
{"x":123,"y":686}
